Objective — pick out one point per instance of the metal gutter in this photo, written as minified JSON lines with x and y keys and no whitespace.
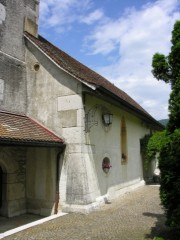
{"x":104,"y":94}
{"x":29,"y":143}
{"x":128,"y":105}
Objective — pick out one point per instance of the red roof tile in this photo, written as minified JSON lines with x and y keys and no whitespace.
{"x":22,"y":129}
{"x":84,"y":73}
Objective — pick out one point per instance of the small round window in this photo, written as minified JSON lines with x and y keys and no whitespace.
{"x":36,"y":67}
{"x":106,"y":166}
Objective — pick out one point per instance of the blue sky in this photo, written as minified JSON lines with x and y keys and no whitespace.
{"x":117,"y":39}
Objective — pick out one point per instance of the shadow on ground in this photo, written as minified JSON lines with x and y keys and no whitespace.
{"x":7,"y":224}
{"x":160,"y":231}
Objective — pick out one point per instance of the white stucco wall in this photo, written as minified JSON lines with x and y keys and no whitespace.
{"x":55,"y":99}
{"x":41,"y":180}
{"x":106,"y":142}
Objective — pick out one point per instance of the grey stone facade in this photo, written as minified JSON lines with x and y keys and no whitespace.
{"x":15,"y":17}
{"x":13,"y":84}
{"x":18,"y":194}
{"x":14,"y":185}
{"x":31,"y":82}
{"x":12,"y":26}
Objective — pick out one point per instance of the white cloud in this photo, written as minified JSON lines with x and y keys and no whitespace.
{"x":92,"y":17}
{"x":140,"y":28}
{"x":128,"y":43}
{"x":60,"y":14}
{"x":136,"y":37}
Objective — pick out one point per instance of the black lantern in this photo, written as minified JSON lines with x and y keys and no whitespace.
{"x":107,"y":118}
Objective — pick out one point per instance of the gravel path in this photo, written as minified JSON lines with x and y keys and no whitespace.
{"x":137,"y":215}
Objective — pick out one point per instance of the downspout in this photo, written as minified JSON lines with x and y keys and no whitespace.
{"x":57,"y":179}
{"x":1,"y":186}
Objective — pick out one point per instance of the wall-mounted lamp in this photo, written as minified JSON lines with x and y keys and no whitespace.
{"x":107,"y":118}
{"x":91,"y":118}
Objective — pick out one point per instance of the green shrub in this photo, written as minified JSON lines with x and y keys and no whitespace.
{"x":169,"y":164}
{"x":158,"y":238}
{"x":152,"y":144}
{"x":167,"y":68}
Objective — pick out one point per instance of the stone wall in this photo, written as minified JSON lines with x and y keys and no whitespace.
{"x":15,"y":17}
{"x":29,"y":180}
{"x":56,"y":102}
{"x":12,"y":84}
{"x":13,"y":164}
{"x":12,"y":19}
{"x":41,"y":180}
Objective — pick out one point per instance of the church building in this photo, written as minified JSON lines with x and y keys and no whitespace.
{"x":69,"y":138}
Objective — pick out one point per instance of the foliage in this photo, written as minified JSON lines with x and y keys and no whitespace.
{"x":144,"y":142}
{"x":174,"y":107}
{"x":156,"y":143}
{"x":152,"y":144}
{"x":161,"y":69}
{"x":169,"y":165}
{"x":158,"y":238}
{"x":168,"y":70}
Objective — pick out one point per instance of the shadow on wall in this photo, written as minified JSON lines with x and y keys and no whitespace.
{"x":28,"y":181}
{"x":160,"y":231}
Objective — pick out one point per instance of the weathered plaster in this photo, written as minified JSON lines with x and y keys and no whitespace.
{"x":107,"y":143}
{"x":12,"y":84}
{"x":1,"y":90}
{"x":56,"y":101}
{"x":12,"y":161}
{"x":2,"y":13}
{"x":41,"y":180}
{"x":69,"y":102}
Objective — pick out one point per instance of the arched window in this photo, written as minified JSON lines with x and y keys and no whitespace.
{"x":123,"y":141}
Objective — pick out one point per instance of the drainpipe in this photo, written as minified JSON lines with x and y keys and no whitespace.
{"x":1,"y":186}
{"x":57,"y":179}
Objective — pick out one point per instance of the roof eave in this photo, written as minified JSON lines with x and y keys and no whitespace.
{"x":92,"y":86}
{"x":30,"y":143}
{"x":141,"y":114}
{"x":145,"y":117}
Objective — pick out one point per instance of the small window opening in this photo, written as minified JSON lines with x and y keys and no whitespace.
{"x":123,"y":141}
{"x":106,"y":166}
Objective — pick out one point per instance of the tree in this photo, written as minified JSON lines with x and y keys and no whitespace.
{"x":167,"y":68}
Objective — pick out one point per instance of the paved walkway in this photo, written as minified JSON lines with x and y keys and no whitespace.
{"x":134,"y":216}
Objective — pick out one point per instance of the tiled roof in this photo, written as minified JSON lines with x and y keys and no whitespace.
{"x":15,"y":128}
{"x":80,"y":71}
